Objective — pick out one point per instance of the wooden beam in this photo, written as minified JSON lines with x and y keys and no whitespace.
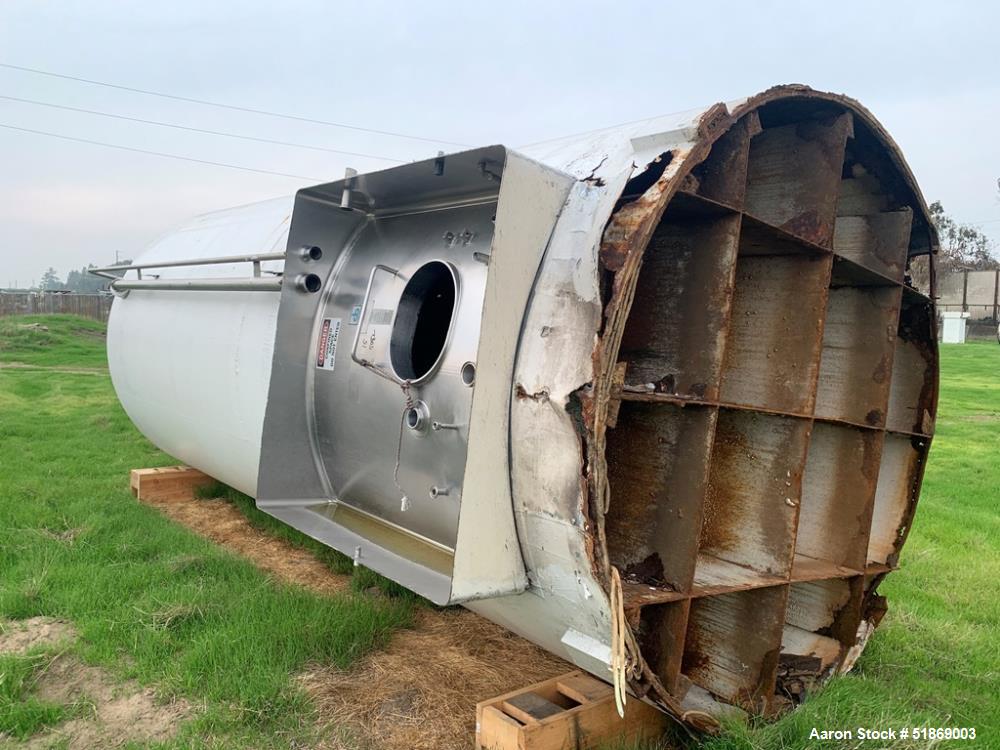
{"x":167,"y":482}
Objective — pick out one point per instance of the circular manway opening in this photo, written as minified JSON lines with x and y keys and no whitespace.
{"x":423,"y":320}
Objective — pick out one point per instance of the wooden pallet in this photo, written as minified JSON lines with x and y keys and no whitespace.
{"x":571,"y":712}
{"x":167,"y":482}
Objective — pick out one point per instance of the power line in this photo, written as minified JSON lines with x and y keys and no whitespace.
{"x":226,"y":106}
{"x":197,"y":130}
{"x":159,"y":153}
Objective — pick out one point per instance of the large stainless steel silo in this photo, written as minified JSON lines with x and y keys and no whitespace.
{"x":658,"y":397}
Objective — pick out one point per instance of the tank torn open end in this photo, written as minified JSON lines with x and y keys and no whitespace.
{"x":763,"y":403}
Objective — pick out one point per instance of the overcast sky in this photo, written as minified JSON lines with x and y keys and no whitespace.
{"x":471,"y":73}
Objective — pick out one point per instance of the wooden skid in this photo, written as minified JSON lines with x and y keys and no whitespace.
{"x":571,"y":712}
{"x":167,"y":482}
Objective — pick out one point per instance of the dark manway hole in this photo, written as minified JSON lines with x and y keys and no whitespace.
{"x":423,"y":320}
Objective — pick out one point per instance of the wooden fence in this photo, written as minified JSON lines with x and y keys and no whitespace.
{"x":95,"y":306}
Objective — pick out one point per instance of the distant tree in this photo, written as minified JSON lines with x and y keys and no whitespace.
{"x":50,"y":280}
{"x":962,"y":245}
{"x":85,"y":282}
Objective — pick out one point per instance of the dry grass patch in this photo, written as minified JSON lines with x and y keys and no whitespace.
{"x":225,"y":525}
{"x":420,"y":693}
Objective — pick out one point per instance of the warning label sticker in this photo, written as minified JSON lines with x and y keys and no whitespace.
{"x":326,"y":354}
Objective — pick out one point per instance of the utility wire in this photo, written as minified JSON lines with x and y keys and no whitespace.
{"x":226,"y":106}
{"x":159,"y":153}
{"x":197,"y":130}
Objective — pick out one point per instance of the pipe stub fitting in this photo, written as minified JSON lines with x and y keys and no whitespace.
{"x":310,"y":252}
{"x":417,"y":417}
{"x":308,"y":282}
{"x":469,"y":374}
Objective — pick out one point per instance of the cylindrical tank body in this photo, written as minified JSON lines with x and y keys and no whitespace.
{"x":192,"y":368}
{"x":715,"y":409}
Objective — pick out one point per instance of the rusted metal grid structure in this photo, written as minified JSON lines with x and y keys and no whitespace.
{"x":766,"y":399}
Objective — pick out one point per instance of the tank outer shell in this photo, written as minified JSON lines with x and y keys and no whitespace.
{"x":191,"y":369}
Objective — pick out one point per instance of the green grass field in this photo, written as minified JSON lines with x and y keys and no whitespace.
{"x":150,"y":600}
{"x":154,"y":602}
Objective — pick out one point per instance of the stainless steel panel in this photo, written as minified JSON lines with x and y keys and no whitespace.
{"x":338,"y":458}
{"x":360,"y":413}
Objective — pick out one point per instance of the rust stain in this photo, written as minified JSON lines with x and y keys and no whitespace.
{"x":762,"y":694}
{"x":809,"y":225}
{"x":720,"y":529}
{"x":874,"y":418}
{"x":883,"y":371}
{"x":618,"y":242}
{"x":522,"y":394}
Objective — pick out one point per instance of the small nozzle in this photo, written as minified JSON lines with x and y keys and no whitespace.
{"x":345,"y":197}
{"x":308,"y":282}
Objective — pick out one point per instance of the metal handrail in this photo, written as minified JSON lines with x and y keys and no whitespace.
{"x":107,"y":271}
{"x":255,"y":283}
{"x":245,"y":284}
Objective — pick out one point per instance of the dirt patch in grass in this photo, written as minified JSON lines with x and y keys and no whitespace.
{"x":981,"y":418}
{"x":20,"y":635}
{"x":420,"y":692}
{"x":107,"y":712}
{"x":92,"y":333}
{"x":112,"y":713}
{"x":225,"y":525}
